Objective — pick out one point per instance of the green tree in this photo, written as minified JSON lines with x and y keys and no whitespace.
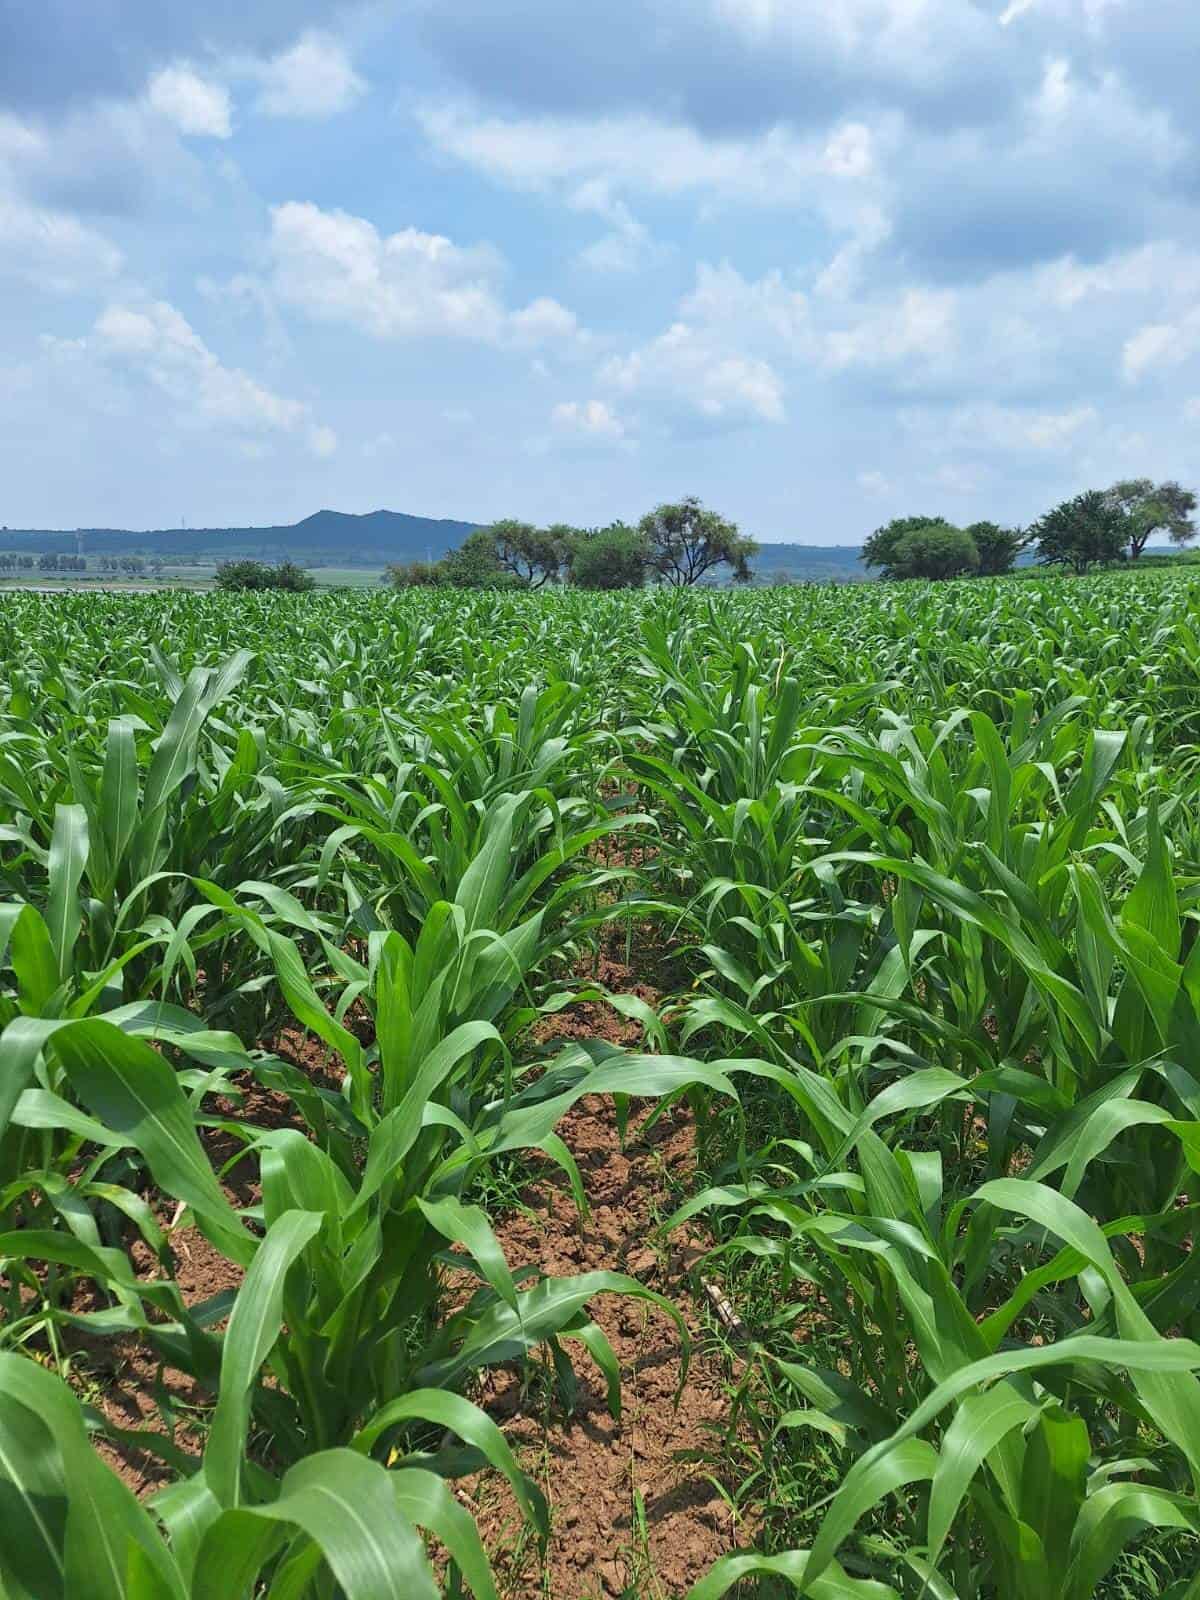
{"x":1154,"y":508}
{"x":1087,"y":531}
{"x":295,"y":579}
{"x":935,"y":551}
{"x":998,"y":547}
{"x":685,"y":540}
{"x":412,"y":574}
{"x":476,"y":565}
{"x":260,"y":576}
{"x":608,"y":558}
{"x":880,"y":548}
{"x":532,"y":555}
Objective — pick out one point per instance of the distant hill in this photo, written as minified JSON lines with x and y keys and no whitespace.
{"x":812,"y":561}
{"x":340,"y":538}
{"x":330,"y":536}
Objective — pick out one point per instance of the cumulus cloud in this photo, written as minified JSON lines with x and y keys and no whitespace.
{"x":51,"y":250}
{"x":313,"y":78}
{"x":874,"y":484}
{"x":1161,"y":345}
{"x":591,"y":418}
{"x":406,"y":285}
{"x":646,"y":154}
{"x":83,"y":52}
{"x":197,"y":106}
{"x":1014,"y":430}
{"x":693,"y":379}
{"x":728,"y":64}
{"x":45,"y":246}
{"x":919,"y":327}
{"x":155,"y":343}
{"x":981,"y":180}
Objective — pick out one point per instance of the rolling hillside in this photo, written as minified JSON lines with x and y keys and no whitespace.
{"x":371,"y":539}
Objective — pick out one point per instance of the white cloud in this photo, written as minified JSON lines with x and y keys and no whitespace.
{"x":1051,"y":431}
{"x":627,"y":245}
{"x":722,"y":297}
{"x":645,"y":155}
{"x":315,"y":78}
{"x":543,"y":321}
{"x":322,"y":441}
{"x":1159,"y":270}
{"x":1161,"y":345}
{"x":1015,"y":9}
{"x":195,"y":105}
{"x":590,"y":417}
{"x":406,"y":285}
{"x":690,"y":373}
{"x":850,"y":151}
{"x":957,"y":478}
{"x":156,"y":343}
{"x":843,"y":275}
{"x":874,"y":483}
{"x":1015,"y":431}
{"x":53,"y":250}
{"x":918,"y":326}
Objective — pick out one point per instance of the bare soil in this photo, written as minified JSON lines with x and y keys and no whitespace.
{"x":634,"y":1509}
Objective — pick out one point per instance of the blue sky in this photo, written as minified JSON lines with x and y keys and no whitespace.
{"x":819,"y":264}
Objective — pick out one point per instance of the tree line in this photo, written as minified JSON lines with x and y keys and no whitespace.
{"x":675,"y":544}
{"x":132,"y":566}
{"x":1096,"y":528}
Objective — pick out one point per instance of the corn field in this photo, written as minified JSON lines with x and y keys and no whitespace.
{"x":922,"y":867}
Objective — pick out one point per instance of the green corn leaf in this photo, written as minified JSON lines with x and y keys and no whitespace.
{"x":99,"y":1520}
{"x":253,"y":1330}
{"x":450,"y":1410}
{"x":68,"y":857}
{"x":832,"y":1584}
{"x":130,"y":1088}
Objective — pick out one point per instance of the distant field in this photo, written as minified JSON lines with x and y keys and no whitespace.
{"x":193,"y":575}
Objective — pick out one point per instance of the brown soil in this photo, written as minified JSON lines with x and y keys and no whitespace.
{"x":633,"y":1508}
{"x":592,"y":1468}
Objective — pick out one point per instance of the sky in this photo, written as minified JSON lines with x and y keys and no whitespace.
{"x":819,"y":264}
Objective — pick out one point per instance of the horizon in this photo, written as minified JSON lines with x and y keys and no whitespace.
{"x":819,"y":271}
{"x":333,"y":511}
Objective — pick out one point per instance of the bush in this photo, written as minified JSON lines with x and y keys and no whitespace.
{"x":476,"y":565}
{"x":413,"y":574}
{"x":608,"y":558}
{"x":998,"y":547}
{"x":935,"y":551}
{"x":1090,"y":530}
{"x":880,"y":548}
{"x":260,"y":575}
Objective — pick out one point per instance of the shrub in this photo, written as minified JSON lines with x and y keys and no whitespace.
{"x":998,"y":547}
{"x":935,"y":551}
{"x":261,"y":575}
{"x":1090,"y":530}
{"x":609,"y":558}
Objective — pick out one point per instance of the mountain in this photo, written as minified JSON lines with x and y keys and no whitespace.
{"x":811,"y":561}
{"x":336,"y":537}
{"x":340,"y":538}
